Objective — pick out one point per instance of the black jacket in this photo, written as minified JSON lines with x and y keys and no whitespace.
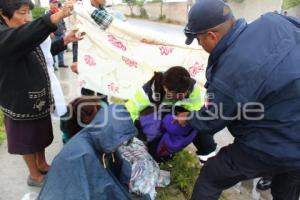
{"x":61,"y":26}
{"x":25,"y":92}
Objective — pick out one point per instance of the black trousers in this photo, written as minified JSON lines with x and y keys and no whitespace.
{"x":233,"y":165}
{"x":75,"y":51}
{"x":205,"y":144}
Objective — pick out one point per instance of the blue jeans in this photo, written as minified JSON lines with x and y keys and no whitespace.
{"x":60,"y":55}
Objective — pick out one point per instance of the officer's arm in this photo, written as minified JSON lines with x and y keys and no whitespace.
{"x":218,"y":111}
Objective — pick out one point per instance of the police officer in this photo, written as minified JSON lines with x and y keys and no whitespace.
{"x":253,"y":82}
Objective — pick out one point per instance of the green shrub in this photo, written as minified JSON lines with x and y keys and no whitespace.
{"x":143,"y":14}
{"x":162,"y":18}
{"x":184,"y":168}
{"x":38,"y":12}
{"x":290,"y":3}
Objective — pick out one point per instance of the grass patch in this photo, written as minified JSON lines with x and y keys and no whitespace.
{"x":286,"y":4}
{"x":2,"y":129}
{"x":184,"y":168}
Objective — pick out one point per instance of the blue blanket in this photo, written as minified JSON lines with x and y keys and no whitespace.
{"x":78,"y":171}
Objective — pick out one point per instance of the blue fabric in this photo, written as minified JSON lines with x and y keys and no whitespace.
{"x":61,"y":29}
{"x":206,"y":14}
{"x":259,"y":62}
{"x":151,"y":125}
{"x":61,"y":26}
{"x":60,"y":55}
{"x":171,"y":137}
{"x":175,"y":137}
{"x":78,"y":173}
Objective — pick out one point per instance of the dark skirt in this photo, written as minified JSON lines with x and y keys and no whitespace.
{"x":28,"y":136}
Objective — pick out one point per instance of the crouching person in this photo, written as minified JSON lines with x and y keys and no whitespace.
{"x":174,"y":88}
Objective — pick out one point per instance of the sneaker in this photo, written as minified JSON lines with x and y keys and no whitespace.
{"x":204,"y":158}
{"x":34,"y":183}
{"x":264,"y":183}
{"x":63,"y":66}
{"x":55,"y":68}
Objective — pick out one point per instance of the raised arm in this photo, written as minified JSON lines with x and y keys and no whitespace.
{"x":15,"y":42}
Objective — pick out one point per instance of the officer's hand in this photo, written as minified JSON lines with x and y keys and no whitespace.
{"x":181,"y":118}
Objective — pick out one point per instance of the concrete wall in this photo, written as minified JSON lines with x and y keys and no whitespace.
{"x":125,"y":9}
{"x":177,"y":11}
{"x":252,"y":9}
{"x":295,"y":11}
{"x":153,"y":10}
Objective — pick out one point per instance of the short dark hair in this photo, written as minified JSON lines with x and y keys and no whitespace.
{"x":8,"y":7}
{"x":83,"y":107}
{"x":177,"y":79}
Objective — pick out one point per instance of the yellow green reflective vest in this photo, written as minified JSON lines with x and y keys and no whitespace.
{"x":141,"y":100}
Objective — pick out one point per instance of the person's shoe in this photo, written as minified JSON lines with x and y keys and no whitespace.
{"x":55,"y":68}
{"x":34,"y":183}
{"x":264,"y":183}
{"x":204,"y":158}
{"x":63,"y":66}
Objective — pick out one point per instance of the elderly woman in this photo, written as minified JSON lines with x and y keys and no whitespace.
{"x":25,"y":90}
